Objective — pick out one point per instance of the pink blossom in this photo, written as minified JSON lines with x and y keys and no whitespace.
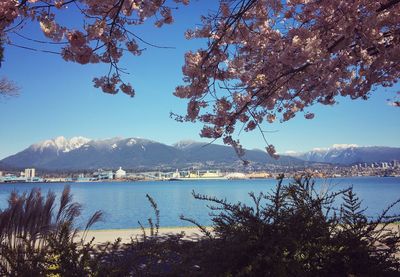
{"x":271,"y":118}
{"x":127,"y":89}
{"x":76,"y":39}
{"x":83,"y":55}
{"x":309,"y":115}
{"x":271,"y":151}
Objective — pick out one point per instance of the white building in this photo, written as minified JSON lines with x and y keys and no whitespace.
{"x":120,"y":173}
{"x":176,"y":174}
{"x":236,"y":175}
{"x":29,"y":173}
{"x":101,"y":174}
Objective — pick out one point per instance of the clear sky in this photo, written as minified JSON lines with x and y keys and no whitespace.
{"x":57,"y":99}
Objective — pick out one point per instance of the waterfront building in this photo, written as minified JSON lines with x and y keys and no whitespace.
{"x":236,"y":175}
{"x":56,"y":180}
{"x":29,"y":173}
{"x":11,"y":178}
{"x":211,"y":174}
{"x":176,"y":174}
{"x":194,"y":174}
{"x":120,"y":173}
{"x":81,"y":178}
{"x":262,"y":175}
{"x":103,"y":175}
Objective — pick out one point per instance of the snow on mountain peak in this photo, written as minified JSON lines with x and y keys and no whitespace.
{"x":334,"y":146}
{"x":321,"y":153}
{"x":61,"y":144}
{"x":60,"y":141}
{"x":291,"y":153}
{"x":319,"y":149}
{"x":184,"y":143}
{"x":131,"y":141}
{"x":344,"y":146}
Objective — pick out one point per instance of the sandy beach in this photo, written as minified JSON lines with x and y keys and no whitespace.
{"x":103,"y":236}
{"x":191,"y":233}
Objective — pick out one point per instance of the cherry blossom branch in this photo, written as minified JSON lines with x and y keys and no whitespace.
{"x":279,"y":58}
{"x":103,"y":38}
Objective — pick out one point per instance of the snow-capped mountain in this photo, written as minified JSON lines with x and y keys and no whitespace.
{"x":184,"y":144}
{"x":133,"y":153}
{"x":45,"y":152}
{"x":80,"y":153}
{"x":347,"y":154}
{"x":60,"y":144}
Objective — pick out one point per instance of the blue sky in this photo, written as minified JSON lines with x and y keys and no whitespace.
{"x":57,"y":98}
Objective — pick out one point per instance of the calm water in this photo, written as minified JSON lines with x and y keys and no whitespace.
{"x":125,"y":203}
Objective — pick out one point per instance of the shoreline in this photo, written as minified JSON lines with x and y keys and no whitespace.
{"x":110,"y":235}
{"x":188,"y":179}
{"x":103,"y":236}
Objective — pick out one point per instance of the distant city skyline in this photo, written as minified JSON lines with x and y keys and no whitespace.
{"x":57,"y":99}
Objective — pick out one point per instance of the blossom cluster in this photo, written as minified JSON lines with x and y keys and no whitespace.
{"x":8,"y":12}
{"x":273,"y":59}
{"x":104,"y":36}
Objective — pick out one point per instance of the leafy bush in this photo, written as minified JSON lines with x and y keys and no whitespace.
{"x":296,"y":231}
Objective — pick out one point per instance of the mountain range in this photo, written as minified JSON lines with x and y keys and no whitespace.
{"x":79,"y":153}
{"x":347,"y":154}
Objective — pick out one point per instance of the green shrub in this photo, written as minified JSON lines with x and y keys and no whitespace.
{"x":296,"y":231}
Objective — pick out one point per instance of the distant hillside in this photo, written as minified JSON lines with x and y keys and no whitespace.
{"x":351,"y":154}
{"x":135,"y":153}
{"x":201,"y":152}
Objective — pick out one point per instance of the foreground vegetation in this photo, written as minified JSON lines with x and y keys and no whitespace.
{"x":294,"y":230}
